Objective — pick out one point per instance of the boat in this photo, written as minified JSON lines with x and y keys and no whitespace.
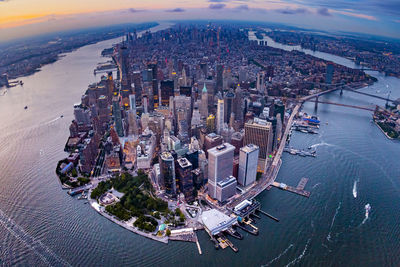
{"x":303,"y":131}
{"x":21,"y":83}
{"x":62,"y":116}
{"x":26,"y":107}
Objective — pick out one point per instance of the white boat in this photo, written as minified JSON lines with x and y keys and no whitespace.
{"x":367,"y":210}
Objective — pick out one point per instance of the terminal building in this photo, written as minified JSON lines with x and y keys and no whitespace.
{"x":216,"y":222}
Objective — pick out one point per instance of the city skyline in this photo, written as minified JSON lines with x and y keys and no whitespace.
{"x":22,"y":18}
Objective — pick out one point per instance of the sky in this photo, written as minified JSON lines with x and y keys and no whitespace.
{"x":23,"y":18}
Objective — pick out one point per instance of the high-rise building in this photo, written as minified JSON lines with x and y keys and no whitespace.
{"x":185,"y":178}
{"x":220,"y":71}
{"x":116,"y":109}
{"x":167,"y":90}
{"x":237,"y":141}
{"x":167,"y":172}
{"x":210,"y":123}
{"x":226,"y":188}
{"x":220,"y":115}
{"x":212,"y":140}
{"x":228,"y":105}
{"x":260,"y":133}
{"x":260,"y":86}
{"x":204,"y":102}
{"x":248,"y":159}
{"x":220,"y":166}
{"x":329,"y":73}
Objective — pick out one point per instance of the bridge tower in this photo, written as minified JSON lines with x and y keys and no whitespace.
{"x":316,"y":103}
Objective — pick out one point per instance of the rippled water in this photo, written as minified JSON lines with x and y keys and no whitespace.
{"x":41,"y":225}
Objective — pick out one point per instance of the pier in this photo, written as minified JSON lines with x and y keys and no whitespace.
{"x":298,"y":190}
{"x":300,"y":152}
{"x":269,"y":215}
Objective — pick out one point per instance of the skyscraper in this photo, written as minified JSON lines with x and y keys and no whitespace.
{"x":167,"y":90}
{"x":220,"y":115}
{"x":167,"y":172}
{"x":228,"y":105}
{"x":116,"y":110}
{"x":210,"y":123}
{"x":259,"y":132}
{"x":185,"y":178}
{"x":260,"y":81}
{"x":248,"y":159}
{"x":220,"y":71}
{"x":204,"y":102}
{"x":220,"y":166}
{"x":329,"y":73}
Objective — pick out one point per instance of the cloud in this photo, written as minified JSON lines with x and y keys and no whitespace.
{"x":323,"y":11}
{"x":241,"y":8}
{"x":134,"y":10}
{"x":357,"y":15}
{"x":176,"y":10}
{"x":216,"y":6}
{"x":292,"y":11}
{"x":218,"y":1}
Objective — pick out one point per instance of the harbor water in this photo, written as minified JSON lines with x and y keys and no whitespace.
{"x":40,"y":224}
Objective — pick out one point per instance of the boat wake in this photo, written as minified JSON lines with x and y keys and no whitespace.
{"x":333,"y":221}
{"x":321,"y":144}
{"x":317,"y":184}
{"x":45,"y":253}
{"x":300,"y":256}
{"x":367,"y":210}
{"x":355,"y":189}
{"x":279,"y":256}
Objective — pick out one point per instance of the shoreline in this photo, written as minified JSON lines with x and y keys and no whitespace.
{"x":123,"y":224}
{"x":379,"y":127}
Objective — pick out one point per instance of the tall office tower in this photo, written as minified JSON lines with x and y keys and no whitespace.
{"x":137,"y":84}
{"x":260,"y":81}
{"x":270,"y":72}
{"x":329,"y":73}
{"x":220,"y":166}
{"x":155,"y":94}
{"x":124,"y":68}
{"x":242,"y":74}
{"x":248,"y":159}
{"x":273,"y":122}
{"x":196,"y":118}
{"x":167,"y":172}
{"x":278,"y":131}
{"x":145,"y":104}
{"x":185,"y":178}
{"x":238,"y":108}
{"x":185,"y":91}
{"x":184,"y":78}
{"x":198,"y":178}
{"x":132,"y":122}
{"x":212,"y":140}
{"x":220,"y":71}
{"x":110,"y":84}
{"x":279,"y":107}
{"x":204,"y":102}
{"x":167,"y":90}
{"x":237,"y":141}
{"x":132,"y":102}
{"x":260,"y":133}
{"x":116,"y":110}
{"x":220,"y":115}
{"x":228,"y":105}
{"x":226,"y":188}
{"x":204,"y":69}
{"x":82,"y":116}
{"x":210,"y":123}
{"x":193,"y":156}
{"x":232,"y":120}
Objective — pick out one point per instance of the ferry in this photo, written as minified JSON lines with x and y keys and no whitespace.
{"x":26,"y":107}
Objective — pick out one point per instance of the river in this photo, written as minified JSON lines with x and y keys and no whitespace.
{"x":41,"y":225}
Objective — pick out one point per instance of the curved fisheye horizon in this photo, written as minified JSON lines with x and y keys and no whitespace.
{"x":21,"y":18}
{"x":199,"y":133}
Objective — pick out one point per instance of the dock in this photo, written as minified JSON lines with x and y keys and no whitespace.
{"x":298,"y":190}
{"x":269,"y":215}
